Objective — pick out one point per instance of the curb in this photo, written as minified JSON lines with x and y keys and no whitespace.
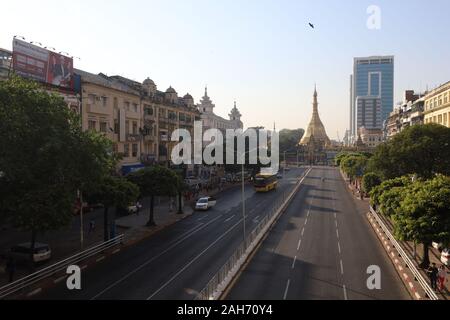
{"x":407,"y":280}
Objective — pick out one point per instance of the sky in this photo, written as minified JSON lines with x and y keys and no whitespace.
{"x":261,"y":53}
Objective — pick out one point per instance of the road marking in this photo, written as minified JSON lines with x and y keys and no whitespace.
{"x":193,"y":260}
{"x":100,"y":259}
{"x":115,"y":251}
{"x":256,"y":219}
{"x":345,"y":292}
{"x":339,"y":247}
{"x":180,"y":239}
{"x":84,"y":267}
{"x":337,"y":233}
{"x":293,"y":262}
{"x":335,"y":215}
{"x":336,"y":224}
{"x":34,"y":292}
{"x":230,"y":218}
{"x":59,"y":279}
{"x":287,"y":289}
{"x":299,"y":243}
{"x":303,"y":231}
{"x":342,"y":267}
{"x":306,"y":221}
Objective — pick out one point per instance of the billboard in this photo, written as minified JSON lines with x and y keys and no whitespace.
{"x":42,"y":65}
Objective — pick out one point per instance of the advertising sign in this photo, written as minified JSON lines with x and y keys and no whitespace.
{"x":30,"y":61}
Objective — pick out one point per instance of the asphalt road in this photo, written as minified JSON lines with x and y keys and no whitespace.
{"x":179,"y":261}
{"x":320,"y":248}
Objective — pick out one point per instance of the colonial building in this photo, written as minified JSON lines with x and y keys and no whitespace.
{"x":437,"y":105}
{"x":371,"y":137}
{"x":212,"y":121}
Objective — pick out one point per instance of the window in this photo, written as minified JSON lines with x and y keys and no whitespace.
{"x":103,"y":126}
{"x":116,"y":126}
{"x":116,"y":103}
{"x":126,"y":150}
{"x":134,"y":127}
{"x":440,"y":119}
{"x":91,"y":98}
{"x":104,"y":101}
{"x":92,"y":125}
{"x":172,"y":115}
{"x":135,"y":107}
{"x":127,"y":126}
{"x":127,"y":106}
{"x":134,"y":150}
{"x":148,"y":110}
{"x":445,"y":119}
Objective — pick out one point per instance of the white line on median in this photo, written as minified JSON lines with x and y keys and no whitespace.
{"x":339,"y":247}
{"x":303,"y":231}
{"x":337,"y":233}
{"x":345,"y":292}
{"x":293,"y":262}
{"x":230,"y":218}
{"x":287,"y":289}
{"x":342,"y":267}
{"x":299,"y":243}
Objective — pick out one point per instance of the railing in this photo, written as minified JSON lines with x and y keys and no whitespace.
{"x":220,"y":280}
{"x":49,"y":271}
{"x":423,"y":283}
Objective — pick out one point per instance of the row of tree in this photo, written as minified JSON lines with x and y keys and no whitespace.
{"x":408,"y":181}
{"x":46,"y":160}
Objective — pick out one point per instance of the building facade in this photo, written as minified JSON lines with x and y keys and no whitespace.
{"x":371,"y":137}
{"x":437,"y":106}
{"x":5,"y":63}
{"x":372,"y":77}
{"x":368,"y":112}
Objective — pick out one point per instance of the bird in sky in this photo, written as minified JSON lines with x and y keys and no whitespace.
{"x":311,"y":25}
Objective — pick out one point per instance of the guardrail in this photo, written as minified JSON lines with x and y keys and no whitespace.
{"x":46,"y":272}
{"x":221,"y":279}
{"x":423,"y":283}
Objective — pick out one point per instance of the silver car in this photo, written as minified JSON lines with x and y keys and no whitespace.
{"x":205,"y":203}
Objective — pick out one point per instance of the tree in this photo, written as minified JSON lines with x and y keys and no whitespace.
{"x":113,"y":191}
{"x":44,"y":157}
{"x":423,"y":215}
{"x":289,"y":139}
{"x":369,"y":181}
{"x":354,"y":165}
{"x":377,"y":191}
{"x":422,"y":149}
{"x":155,"y":181}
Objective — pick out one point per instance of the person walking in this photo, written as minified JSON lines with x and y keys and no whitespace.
{"x":91,"y":226}
{"x":11,"y":268}
{"x":433,"y":274}
{"x":138,"y":207}
{"x":442,"y":275}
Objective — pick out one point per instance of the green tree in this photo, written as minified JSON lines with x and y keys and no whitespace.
{"x":289,"y":139}
{"x":369,"y":181}
{"x":354,"y":165}
{"x":113,"y":191}
{"x":423,"y":215}
{"x":422,"y":149}
{"x":45,"y":157}
{"x":377,"y":191}
{"x":155,"y":181}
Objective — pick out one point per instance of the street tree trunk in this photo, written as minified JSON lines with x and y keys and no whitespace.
{"x":180,"y":205}
{"x":105,"y":224}
{"x":151,"y":220}
{"x":426,"y":257}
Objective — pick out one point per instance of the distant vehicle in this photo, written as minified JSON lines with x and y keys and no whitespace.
{"x":22,"y":252}
{"x":279,"y":176}
{"x":265,"y":182}
{"x":445,"y":256}
{"x":205,"y":203}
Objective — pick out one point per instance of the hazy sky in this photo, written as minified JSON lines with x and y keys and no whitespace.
{"x":261,"y":53}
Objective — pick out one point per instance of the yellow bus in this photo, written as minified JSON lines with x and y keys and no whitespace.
{"x":265,"y":182}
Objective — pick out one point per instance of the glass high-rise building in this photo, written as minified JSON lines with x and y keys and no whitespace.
{"x":372,"y":77}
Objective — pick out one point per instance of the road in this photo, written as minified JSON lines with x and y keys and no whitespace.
{"x":320,"y":248}
{"x":177,"y":262}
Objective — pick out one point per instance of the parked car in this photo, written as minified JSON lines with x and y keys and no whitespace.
{"x":445,"y":256}
{"x":22,"y":252}
{"x":205,"y":203}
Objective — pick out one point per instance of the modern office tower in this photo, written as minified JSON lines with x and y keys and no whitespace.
{"x":372,"y":79}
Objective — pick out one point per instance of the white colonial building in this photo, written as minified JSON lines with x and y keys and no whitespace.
{"x":212,"y":121}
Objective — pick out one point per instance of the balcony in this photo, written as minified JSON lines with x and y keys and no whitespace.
{"x":133,"y":137}
{"x":150,"y":138}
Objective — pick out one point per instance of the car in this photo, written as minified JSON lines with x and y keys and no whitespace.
{"x":445,"y":256}
{"x":22,"y":252}
{"x":205,"y":203}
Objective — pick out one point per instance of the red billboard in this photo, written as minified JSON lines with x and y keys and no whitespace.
{"x":40,"y":64}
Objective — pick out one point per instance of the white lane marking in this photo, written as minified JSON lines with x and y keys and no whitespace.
{"x":287,"y":289}
{"x":345,"y":292}
{"x":336,"y":224}
{"x":293,"y":262}
{"x":194,"y":259}
{"x":256,"y":219}
{"x":115,"y":251}
{"x":337,"y":233}
{"x":303,"y":231}
{"x":183,"y":237}
{"x":339,"y":247}
{"x":59,"y":279}
{"x":335,"y":215}
{"x":299,"y":243}
{"x":84,"y":267}
{"x":306,"y":221}
{"x":34,"y":292}
{"x":342,"y":267}
{"x":230,"y":218}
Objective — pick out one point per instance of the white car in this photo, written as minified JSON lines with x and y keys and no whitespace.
{"x":22,"y":252}
{"x":445,"y":256}
{"x":205,"y":203}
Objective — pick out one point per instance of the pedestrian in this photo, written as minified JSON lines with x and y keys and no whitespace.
{"x":11,"y":268}
{"x":91,"y":226}
{"x":138,"y":207}
{"x":433,"y":274}
{"x":442,"y":274}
